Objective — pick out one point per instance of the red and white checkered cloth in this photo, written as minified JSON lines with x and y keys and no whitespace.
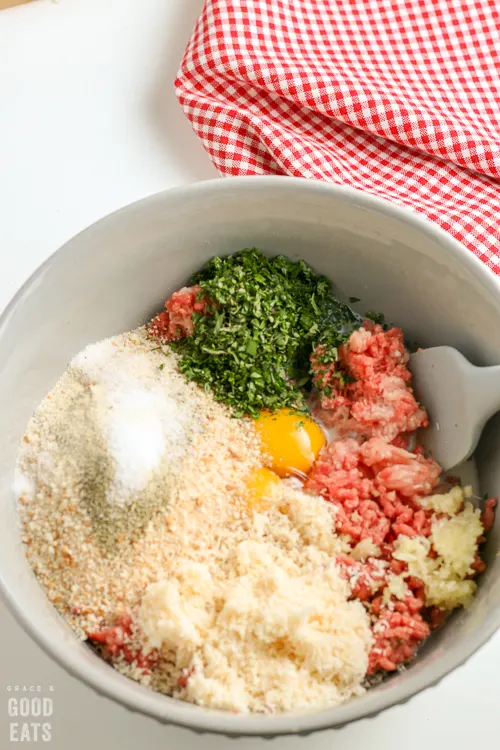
{"x":400,"y":98}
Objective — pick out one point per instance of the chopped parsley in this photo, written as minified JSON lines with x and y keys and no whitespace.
{"x":252,"y":346}
{"x":376,"y":317}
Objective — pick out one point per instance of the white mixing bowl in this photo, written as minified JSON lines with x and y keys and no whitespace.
{"x":117,"y":273}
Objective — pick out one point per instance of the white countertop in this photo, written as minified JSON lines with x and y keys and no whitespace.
{"x":88,"y":123}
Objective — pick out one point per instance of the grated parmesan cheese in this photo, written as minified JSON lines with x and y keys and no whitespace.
{"x":263,"y":632}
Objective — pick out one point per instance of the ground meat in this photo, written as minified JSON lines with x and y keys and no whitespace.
{"x":398,"y":626}
{"x":375,"y":488}
{"x":397,"y":636}
{"x":366,"y":579}
{"x":379,"y":401}
{"x":119,"y":640}
{"x":488,"y":515}
{"x":478,"y":566}
{"x":177,"y":321}
{"x":436,"y":617}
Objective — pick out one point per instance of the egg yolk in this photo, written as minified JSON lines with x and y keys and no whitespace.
{"x":293,"y":441}
{"x":263,"y":486}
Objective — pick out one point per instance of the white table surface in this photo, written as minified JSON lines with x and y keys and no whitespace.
{"x":88,"y":123}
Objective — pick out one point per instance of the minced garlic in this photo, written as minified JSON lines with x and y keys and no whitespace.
{"x":449,"y":502}
{"x":454,"y":539}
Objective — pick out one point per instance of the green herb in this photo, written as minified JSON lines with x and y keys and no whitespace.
{"x":352,"y":300}
{"x":252,"y":347}
{"x":375,"y":317}
{"x":160,"y":367}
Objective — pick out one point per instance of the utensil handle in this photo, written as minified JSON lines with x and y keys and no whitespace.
{"x":487,"y":387}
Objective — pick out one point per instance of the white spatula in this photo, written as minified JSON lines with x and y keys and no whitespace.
{"x":459,"y":397}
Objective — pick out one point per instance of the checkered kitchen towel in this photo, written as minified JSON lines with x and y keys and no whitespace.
{"x":400,"y":98}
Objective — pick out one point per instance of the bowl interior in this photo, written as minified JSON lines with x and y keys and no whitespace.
{"x":116,"y":274}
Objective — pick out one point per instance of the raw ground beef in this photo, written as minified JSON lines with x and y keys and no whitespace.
{"x":488,"y":515}
{"x":375,"y":487}
{"x":177,"y":321}
{"x":376,"y":484}
{"x":397,"y":636}
{"x":119,"y":641}
{"x":379,"y":401}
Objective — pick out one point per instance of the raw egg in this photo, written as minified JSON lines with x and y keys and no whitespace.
{"x":293,"y":441}
{"x":263,"y":486}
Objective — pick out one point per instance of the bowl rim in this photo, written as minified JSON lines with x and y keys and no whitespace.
{"x":142,"y":700}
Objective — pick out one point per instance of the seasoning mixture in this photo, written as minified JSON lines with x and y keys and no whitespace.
{"x":230,"y":505}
